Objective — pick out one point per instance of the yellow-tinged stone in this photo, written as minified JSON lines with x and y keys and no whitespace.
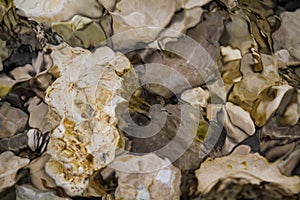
{"x":252,"y":168}
{"x":80,"y":32}
{"x":82,"y":104}
{"x":4,"y":90}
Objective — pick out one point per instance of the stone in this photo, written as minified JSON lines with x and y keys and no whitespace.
{"x":196,"y":96}
{"x":252,"y":168}
{"x":12,"y":120}
{"x":159,"y":178}
{"x":25,"y":192}
{"x":290,"y":29}
{"x":82,"y":104}
{"x":10,"y":164}
{"x":38,"y":111}
{"x":57,"y":11}
{"x":80,"y":32}
{"x":142,"y":16}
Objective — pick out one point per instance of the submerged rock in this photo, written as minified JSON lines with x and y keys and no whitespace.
{"x":246,"y":169}
{"x":146,"y":177}
{"x":175,"y":74}
{"x":196,"y":96}
{"x":174,"y":132}
{"x":208,"y":32}
{"x":286,"y":37}
{"x":82,"y":102}
{"x":142,"y":16}
{"x":181,"y":22}
{"x":12,"y":120}
{"x":38,"y":111}
{"x":237,"y":188}
{"x":14,"y":143}
{"x":39,"y":178}
{"x":240,"y":118}
{"x":6,"y":84}
{"x":247,"y":90}
{"x":237,"y":123}
{"x":26,"y":192}
{"x":80,"y":32}
{"x":58,"y":11}
{"x":10,"y":164}
{"x":284,"y":123}
{"x":267,"y":103}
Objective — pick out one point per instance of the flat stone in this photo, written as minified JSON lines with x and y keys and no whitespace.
{"x":38,"y":111}
{"x":12,"y":120}
{"x":25,"y":192}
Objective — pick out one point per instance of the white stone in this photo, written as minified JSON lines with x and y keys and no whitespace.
{"x":82,"y":103}
{"x":146,"y":177}
{"x":254,"y":168}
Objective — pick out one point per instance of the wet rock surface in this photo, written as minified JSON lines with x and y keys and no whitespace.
{"x":13,"y":120}
{"x":162,"y":182}
{"x":127,"y":99}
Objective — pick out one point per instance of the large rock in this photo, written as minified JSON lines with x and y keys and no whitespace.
{"x":82,"y":103}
